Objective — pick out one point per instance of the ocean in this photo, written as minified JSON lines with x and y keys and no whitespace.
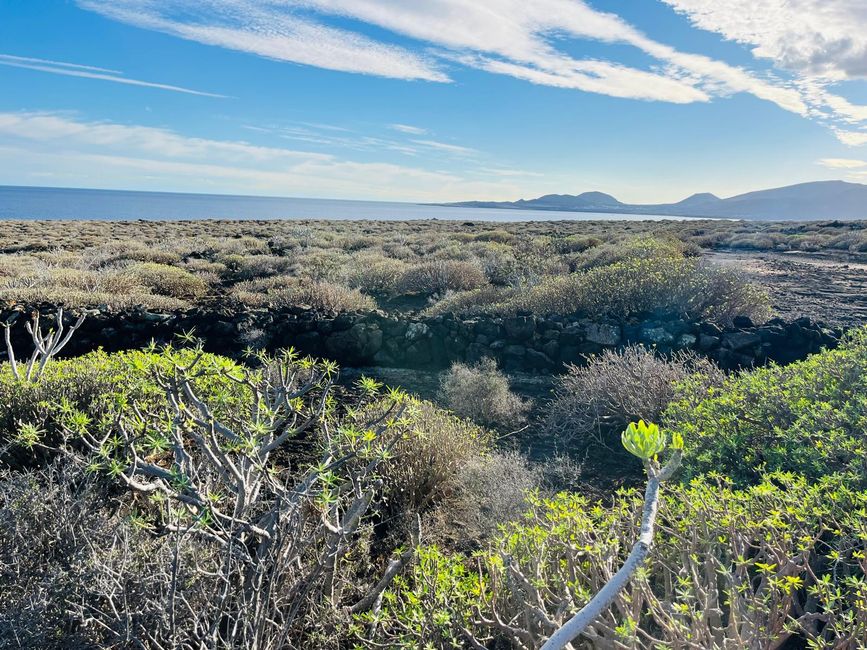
{"x":121,"y":205}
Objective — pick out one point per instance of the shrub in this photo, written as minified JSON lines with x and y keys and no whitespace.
{"x":499,"y":236}
{"x":596,"y":401}
{"x":481,"y":392}
{"x":260,"y":266}
{"x":375,"y":274}
{"x":438,"y":276}
{"x":283,"y":291}
{"x":102,"y":386}
{"x":636,"y":248}
{"x":68,"y":546}
{"x":130,"y":251}
{"x":644,"y":285}
{"x":486,"y":300}
{"x":808,"y":417}
{"x":771,"y":563}
{"x":426,"y":459}
{"x":325,"y":296}
{"x":167,"y":280}
{"x":484,"y":494}
{"x":223,"y":525}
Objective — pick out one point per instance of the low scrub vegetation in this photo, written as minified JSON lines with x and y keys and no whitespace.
{"x":595,"y":268}
{"x":809,"y":417}
{"x":751,"y":568}
{"x":481,"y":392}
{"x":595,"y":401}
{"x":172,"y":498}
{"x":634,"y":286}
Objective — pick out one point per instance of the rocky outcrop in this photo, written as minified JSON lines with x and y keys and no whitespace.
{"x":519,"y":343}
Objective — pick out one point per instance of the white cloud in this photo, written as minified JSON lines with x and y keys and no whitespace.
{"x":339,"y":137}
{"x":408,"y":128}
{"x":265,"y":29}
{"x":97,"y":152}
{"x":446,"y":147}
{"x":90,"y":72}
{"x":821,"y":40}
{"x":518,"y":38}
{"x":825,"y":38}
{"x":64,"y":64}
{"x":842,"y":163}
{"x":851,"y":138}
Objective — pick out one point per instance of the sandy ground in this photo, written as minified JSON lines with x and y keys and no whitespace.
{"x":825,"y":288}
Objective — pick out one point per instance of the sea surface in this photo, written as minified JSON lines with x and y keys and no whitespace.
{"x":120,"y":205}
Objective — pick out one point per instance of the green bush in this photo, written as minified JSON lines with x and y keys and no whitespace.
{"x":635,"y":248}
{"x":102,"y":386}
{"x":729,"y":569}
{"x":669,"y":284}
{"x":809,"y":417}
{"x":640,"y":285}
{"x":167,"y":280}
{"x":375,"y":274}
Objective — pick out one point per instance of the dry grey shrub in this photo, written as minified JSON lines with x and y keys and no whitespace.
{"x":481,"y":392}
{"x":486,"y":492}
{"x":424,"y":462}
{"x":595,"y":401}
{"x":440,"y":275}
{"x":70,"y":550}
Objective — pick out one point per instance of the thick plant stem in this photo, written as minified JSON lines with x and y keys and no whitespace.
{"x":602,"y":600}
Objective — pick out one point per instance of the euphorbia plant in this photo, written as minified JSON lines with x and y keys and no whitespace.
{"x":645,"y":441}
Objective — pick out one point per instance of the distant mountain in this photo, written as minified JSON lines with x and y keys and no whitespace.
{"x":817,"y":200}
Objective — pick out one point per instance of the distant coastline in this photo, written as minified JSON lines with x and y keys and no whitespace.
{"x":804,"y":201}
{"x":54,"y":203}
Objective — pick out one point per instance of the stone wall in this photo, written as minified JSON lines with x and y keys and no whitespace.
{"x":519,"y":343}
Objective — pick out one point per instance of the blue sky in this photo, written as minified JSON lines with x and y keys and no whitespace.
{"x":433,"y":100}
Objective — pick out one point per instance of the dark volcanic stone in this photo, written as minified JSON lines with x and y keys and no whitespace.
{"x":520,"y":328}
{"x":741,"y":340}
{"x":707,"y":343}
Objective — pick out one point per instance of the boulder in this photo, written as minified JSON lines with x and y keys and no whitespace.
{"x":656,"y":335}
{"x":740,"y":340}
{"x":520,"y":328}
{"x":602,"y":333}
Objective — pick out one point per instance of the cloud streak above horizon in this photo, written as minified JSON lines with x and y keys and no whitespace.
{"x":105,"y":149}
{"x":92,"y":72}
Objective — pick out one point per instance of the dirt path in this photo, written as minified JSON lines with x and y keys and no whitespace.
{"x":833,"y":290}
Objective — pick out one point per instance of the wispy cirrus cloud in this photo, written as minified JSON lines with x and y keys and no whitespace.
{"x":509,"y":37}
{"x":821,"y":42}
{"x":407,"y":128}
{"x":268,"y":30}
{"x":810,"y":43}
{"x":842,"y":163}
{"x":91,"y":72}
{"x":447,"y":147}
{"x":341,"y":137}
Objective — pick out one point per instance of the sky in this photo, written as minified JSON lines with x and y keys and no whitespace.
{"x":433,"y":100}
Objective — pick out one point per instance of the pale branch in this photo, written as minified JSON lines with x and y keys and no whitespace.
{"x":640,"y":550}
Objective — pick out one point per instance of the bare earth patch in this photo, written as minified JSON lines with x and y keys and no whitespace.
{"x":823,"y":287}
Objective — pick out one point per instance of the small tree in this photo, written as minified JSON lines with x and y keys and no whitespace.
{"x":46,"y":345}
